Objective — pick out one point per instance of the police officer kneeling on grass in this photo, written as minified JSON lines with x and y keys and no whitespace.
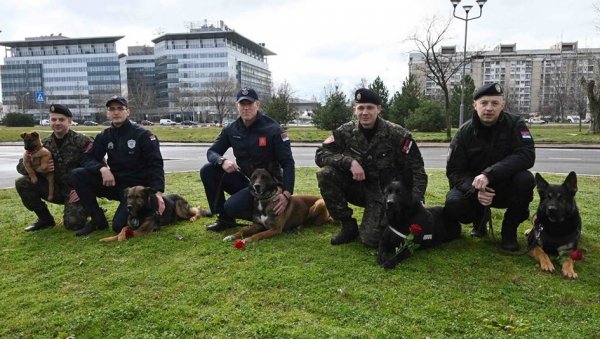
{"x":67,"y":149}
{"x":134,"y":158}
{"x":488,"y":164}
{"x":358,"y":161}
{"x":257,"y":142}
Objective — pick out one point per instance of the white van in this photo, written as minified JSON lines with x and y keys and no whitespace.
{"x":167,"y":122}
{"x":45,"y":122}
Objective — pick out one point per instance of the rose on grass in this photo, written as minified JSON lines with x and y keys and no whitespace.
{"x":576,"y":255}
{"x":416,"y":229}
{"x":239,"y":244}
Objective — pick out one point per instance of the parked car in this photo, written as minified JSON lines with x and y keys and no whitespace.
{"x":188,"y":123}
{"x":44,"y":122}
{"x":574,"y":119}
{"x":536,"y":121}
{"x":74,"y":123}
{"x":147,"y":123}
{"x":167,"y":122}
{"x":90,"y":123}
{"x":107,"y":123}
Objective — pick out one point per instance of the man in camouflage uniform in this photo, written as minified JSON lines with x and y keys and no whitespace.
{"x":67,"y":149}
{"x":358,"y":161}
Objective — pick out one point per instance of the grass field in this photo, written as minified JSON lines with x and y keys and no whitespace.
{"x":553,"y":133}
{"x":185,"y":282}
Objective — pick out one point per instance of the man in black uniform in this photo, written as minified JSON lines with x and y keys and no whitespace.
{"x":256,"y":140}
{"x":488,"y":164}
{"x":67,"y":149}
{"x":358,"y":160}
{"x":134,"y":158}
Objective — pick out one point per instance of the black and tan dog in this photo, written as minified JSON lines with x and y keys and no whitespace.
{"x":301,"y":210}
{"x":36,"y":159}
{"x":556,"y":225}
{"x":402,"y":211}
{"x":143,"y":218}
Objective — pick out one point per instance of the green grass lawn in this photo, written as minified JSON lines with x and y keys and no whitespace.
{"x":553,"y":133}
{"x":54,"y":284}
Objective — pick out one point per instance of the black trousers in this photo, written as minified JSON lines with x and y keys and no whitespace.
{"x":216,"y":182}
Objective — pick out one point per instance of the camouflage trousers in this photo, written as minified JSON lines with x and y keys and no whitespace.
{"x":74,"y":216}
{"x":339,"y":189}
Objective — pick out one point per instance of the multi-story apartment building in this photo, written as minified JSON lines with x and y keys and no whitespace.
{"x":541,"y":80}
{"x":78,"y":72}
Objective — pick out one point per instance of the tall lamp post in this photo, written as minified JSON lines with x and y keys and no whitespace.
{"x":466,"y":19}
{"x":23,"y":96}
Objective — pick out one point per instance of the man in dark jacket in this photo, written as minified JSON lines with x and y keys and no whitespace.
{"x":488,"y":164}
{"x":134,"y":158}
{"x":67,"y":149}
{"x":358,"y":160}
{"x":257,"y":141}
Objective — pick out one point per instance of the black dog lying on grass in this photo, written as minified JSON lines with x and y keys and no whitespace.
{"x":410,"y":225}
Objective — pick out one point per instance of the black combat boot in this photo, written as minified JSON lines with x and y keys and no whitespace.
{"x":97,"y":222}
{"x":480,"y":223}
{"x":223,"y":222}
{"x":509,"y":237}
{"x":45,"y":220}
{"x":348,"y":233}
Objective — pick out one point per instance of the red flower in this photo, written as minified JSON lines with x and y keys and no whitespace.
{"x":239,"y":244}
{"x":416,"y":229}
{"x":576,"y":255}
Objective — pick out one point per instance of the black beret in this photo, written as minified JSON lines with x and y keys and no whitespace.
{"x":493,"y":89}
{"x":246,"y":94}
{"x":366,"y":96}
{"x":116,"y":98}
{"x":61,"y":109}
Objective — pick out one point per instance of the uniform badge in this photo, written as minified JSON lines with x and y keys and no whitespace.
{"x":88,"y":147}
{"x":330,"y":139}
{"x":284,"y":137}
{"x":498,"y":88}
{"x":52,"y":108}
{"x":245,"y":91}
{"x":152,"y":137}
{"x":131,"y":143}
{"x":406,"y":145}
{"x":262,"y":141}
{"x":525,"y":135}
{"x":110,"y":145}
{"x":358,"y":96}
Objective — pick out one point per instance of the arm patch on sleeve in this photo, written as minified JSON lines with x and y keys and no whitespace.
{"x":329,"y":140}
{"x":285,"y":137}
{"x":406,"y":145}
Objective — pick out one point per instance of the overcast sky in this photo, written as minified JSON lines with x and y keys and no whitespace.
{"x":317,"y":42}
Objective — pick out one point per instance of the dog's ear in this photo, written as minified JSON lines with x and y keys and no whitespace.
{"x":151,"y":196}
{"x":541,"y":183}
{"x":571,"y":183}
{"x":35,"y":134}
{"x":23,"y":135}
{"x":126,"y":192}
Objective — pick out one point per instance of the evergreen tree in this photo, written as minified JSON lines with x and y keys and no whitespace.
{"x":334,"y":113}
{"x":405,"y":103}
{"x":278,"y":106}
{"x":378,"y":87}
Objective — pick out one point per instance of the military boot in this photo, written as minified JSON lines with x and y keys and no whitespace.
{"x":97,"y":222}
{"x":45,"y":220}
{"x":480,"y":224}
{"x":348,"y":233}
{"x":509,"y":236}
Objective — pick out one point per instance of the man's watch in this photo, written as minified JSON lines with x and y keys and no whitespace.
{"x":220,"y":161}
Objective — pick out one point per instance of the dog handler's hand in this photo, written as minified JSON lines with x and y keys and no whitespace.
{"x":73,"y":197}
{"x":486,"y":197}
{"x":49,"y":168}
{"x":281,"y":202}
{"x":230,"y":166}
{"x":480,"y":182}
{"x":108,"y":179}
{"x":161,"y":203}
{"x":358,"y":173}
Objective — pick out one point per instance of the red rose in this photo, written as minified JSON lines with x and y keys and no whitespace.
{"x":239,"y":244}
{"x":576,"y":255}
{"x":416,"y":229}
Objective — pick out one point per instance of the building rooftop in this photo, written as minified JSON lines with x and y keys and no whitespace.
{"x":228,"y":34}
{"x":53,"y":40}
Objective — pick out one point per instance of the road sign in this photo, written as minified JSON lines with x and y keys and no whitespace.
{"x":40,"y":98}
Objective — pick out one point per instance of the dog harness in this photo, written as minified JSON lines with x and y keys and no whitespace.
{"x":551,"y":243}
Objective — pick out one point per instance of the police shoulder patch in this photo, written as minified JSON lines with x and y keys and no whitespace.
{"x":329,"y":140}
{"x":526,"y":136}
{"x":284,"y":137}
{"x":152,"y":137}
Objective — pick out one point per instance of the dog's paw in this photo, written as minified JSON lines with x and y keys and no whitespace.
{"x":568,"y":269}
{"x":229,"y":238}
{"x":546,"y":265}
{"x":569,"y":274}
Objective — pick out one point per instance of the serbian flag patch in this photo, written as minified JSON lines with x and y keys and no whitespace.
{"x":525,"y":135}
{"x":329,"y":140}
{"x":406,"y":145}
{"x":262,"y":141}
{"x":88,"y":147}
{"x":152,"y":137}
{"x":284,"y":137}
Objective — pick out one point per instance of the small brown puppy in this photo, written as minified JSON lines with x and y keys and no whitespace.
{"x":301,"y":210}
{"x":36,"y":158}
{"x":143,"y":218}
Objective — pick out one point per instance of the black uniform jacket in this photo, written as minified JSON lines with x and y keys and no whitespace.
{"x":498,"y":151}
{"x":134,"y":156}
{"x":264,"y":142}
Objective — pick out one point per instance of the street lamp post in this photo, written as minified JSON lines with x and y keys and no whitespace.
{"x":23,"y":101}
{"x":466,"y":19}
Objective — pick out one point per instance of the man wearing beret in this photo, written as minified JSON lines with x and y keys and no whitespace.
{"x":257,"y":141}
{"x":487,"y":166}
{"x":67,"y":149}
{"x":358,"y":161}
{"x":133,"y":158}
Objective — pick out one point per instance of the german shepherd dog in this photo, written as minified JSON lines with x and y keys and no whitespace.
{"x":143,"y":218}
{"x":402,"y":211}
{"x":301,"y":210}
{"x":556,"y":225}
{"x":38,"y":159}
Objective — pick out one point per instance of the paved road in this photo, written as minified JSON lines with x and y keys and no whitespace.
{"x":186,"y":157}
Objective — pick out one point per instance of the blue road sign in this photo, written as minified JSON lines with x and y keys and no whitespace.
{"x":40,"y":98}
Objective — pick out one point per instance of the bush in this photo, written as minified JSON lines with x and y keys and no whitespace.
{"x":19,"y":120}
{"x":427,"y":118}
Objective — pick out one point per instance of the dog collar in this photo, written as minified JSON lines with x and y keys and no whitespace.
{"x":35,"y":150}
{"x":397,"y":233}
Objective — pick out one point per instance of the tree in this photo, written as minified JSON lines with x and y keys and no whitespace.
{"x":455,"y":101}
{"x":440,"y":67}
{"x":594,"y":103}
{"x":184,"y":100}
{"x":278,"y":106}
{"x":378,"y":87}
{"x":427,"y":118}
{"x":141,"y":94}
{"x":405,"y":103}
{"x":335,"y":112}
{"x":219,"y":92}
